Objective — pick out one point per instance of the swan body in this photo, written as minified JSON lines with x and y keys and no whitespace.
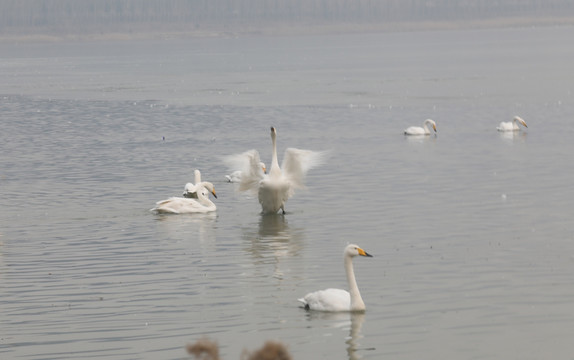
{"x":179,"y":205}
{"x":235,"y":177}
{"x":190,"y":190}
{"x":335,"y":300}
{"x":511,"y":125}
{"x":417,"y":130}
{"x":277,"y":186}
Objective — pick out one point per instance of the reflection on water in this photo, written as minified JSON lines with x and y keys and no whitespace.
{"x":513,"y":135}
{"x":273,"y":239}
{"x":201,"y":224}
{"x":420,"y":138}
{"x":355,"y":335}
{"x":343,"y":320}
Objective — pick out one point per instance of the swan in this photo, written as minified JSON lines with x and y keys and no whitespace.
{"x":235,"y":177}
{"x":178,"y":205}
{"x":417,"y":130}
{"x":511,"y":125}
{"x":338,"y":299}
{"x":190,"y":190}
{"x":275,"y":187}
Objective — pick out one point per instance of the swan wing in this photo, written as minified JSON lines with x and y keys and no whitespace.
{"x":506,"y":126}
{"x":177,"y":205}
{"x":190,"y":190}
{"x":249,"y":165}
{"x":296,"y":164}
{"x":327,"y":300}
{"x":415,"y":130}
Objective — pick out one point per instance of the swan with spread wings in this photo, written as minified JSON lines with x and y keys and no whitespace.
{"x":279,"y":184}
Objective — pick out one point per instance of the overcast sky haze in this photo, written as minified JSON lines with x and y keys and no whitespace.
{"x":100,"y":17}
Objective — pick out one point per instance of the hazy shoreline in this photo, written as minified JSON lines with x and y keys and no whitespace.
{"x":163,"y":31}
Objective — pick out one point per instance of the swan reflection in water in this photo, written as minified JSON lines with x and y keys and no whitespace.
{"x":513,"y":135}
{"x":188,"y":225}
{"x":344,"y":320}
{"x":273,"y":240}
{"x":419,"y":139}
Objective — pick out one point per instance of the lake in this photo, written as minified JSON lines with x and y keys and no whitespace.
{"x":471,"y":230}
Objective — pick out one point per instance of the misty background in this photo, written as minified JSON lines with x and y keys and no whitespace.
{"x":81,"y":18}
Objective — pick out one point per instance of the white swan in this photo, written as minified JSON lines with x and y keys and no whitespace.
{"x":417,"y":130}
{"x":338,"y":299}
{"x":190,"y":190}
{"x":280,"y":183}
{"x":511,"y":125}
{"x":178,"y":205}
{"x":235,"y":177}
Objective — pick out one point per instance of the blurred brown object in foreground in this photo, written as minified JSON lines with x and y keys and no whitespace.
{"x":205,"y":349}
{"x":272,"y":350}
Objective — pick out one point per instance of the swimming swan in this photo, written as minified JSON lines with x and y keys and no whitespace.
{"x":235,"y":177}
{"x":177,"y":205}
{"x":511,"y":125}
{"x":417,"y":130}
{"x":280,"y":183}
{"x":338,"y":299}
{"x":190,"y":190}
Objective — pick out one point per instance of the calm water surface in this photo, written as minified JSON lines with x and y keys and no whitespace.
{"x":471,"y":230}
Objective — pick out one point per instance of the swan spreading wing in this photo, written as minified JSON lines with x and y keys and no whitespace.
{"x":249,"y":164}
{"x":297,"y":162}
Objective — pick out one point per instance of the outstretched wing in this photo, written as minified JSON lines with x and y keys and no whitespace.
{"x":297,"y":162}
{"x":249,"y":165}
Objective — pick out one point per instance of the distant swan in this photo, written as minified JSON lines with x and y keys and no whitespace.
{"x":279,"y":184}
{"x":235,"y":177}
{"x":338,"y":299}
{"x":417,"y":130}
{"x":511,"y":125}
{"x":177,"y":205}
{"x":190,"y":190}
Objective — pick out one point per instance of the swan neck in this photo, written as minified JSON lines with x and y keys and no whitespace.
{"x":204,"y":199}
{"x":427,"y":130}
{"x":357,"y":303}
{"x":274,"y":161}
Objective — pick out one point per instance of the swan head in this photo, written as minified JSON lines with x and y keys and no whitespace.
{"x":353,"y":250}
{"x":520,"y":120}
{"x":209,"y":186}
{"x":263,"y":167}
{"x":273,"y":132}
{"x":433,"y":124}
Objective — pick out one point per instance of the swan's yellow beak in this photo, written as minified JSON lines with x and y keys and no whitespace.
{"x":434,"y":127}
{"x":213,"y":192}
{"x":364,"y":253}
{"x":264,"y":170}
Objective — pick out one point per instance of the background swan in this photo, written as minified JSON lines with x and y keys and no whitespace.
{"x":235,"y":177}
{"x":338,"y":299}
{"x":280,"y":183}
{"x":178,"y":205}
{"x":511,"y":125}
{"x":190,"y":190}
{"x":417,"y":130}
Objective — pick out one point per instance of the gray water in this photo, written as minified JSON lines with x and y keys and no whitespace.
{"x":471,"y":230}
